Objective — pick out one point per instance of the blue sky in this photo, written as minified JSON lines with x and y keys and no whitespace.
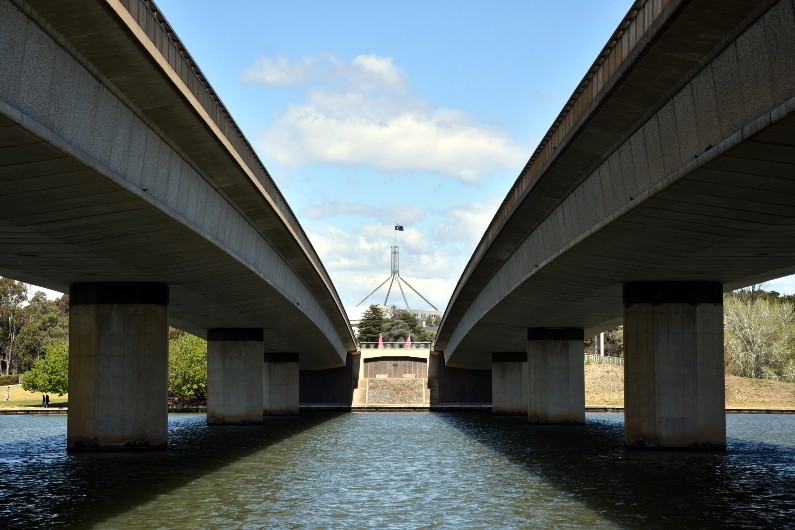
{"x":368,"y":113}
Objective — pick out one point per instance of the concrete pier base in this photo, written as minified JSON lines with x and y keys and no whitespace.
{"x":234,"y":376}
{"x":556,"y":375}
{"x":509,"y":383}
{"x":118,"y":366}
{"x":674,"y":388}
{"x":456,"y":388}
{"x":280,"y":384}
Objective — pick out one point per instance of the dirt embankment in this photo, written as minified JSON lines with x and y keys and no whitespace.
{"x":604,"y":386}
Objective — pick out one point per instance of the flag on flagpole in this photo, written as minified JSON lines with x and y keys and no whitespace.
{"x":408,"y":341}
{"x":398,"y":227}
{"x":380,"y":342}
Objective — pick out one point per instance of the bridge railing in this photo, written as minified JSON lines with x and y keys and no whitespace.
{"x":395,"y":345}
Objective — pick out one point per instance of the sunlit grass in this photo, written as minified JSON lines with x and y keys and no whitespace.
{"x":18,"y":397}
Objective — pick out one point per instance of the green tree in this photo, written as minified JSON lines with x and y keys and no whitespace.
{"x":187,"y":366}
{"x":401,"y":324}
{"x":395,"y":330}
{"x":13,"y":295}
{"x":424,"y":335}
{"x":758,"y":338}
{"x":41,"y":323}
{"x":370,"y":324}
{"x":404,"y":315}
{"x":614,"y":343}
{"x":50,"y":374}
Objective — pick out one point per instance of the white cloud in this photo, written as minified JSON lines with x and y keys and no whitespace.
{"x":445,"y":141}
{"x":361,"y":113}
{"x":366,"y":73}
{"x":466,"y":223}
{"x":360,"y":260}
{"x":402,"y":213}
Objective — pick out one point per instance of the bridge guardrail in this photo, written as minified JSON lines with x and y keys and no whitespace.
{"x":395,"y":346}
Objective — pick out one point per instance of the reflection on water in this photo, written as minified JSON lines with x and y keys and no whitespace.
{"x":395,"y":470}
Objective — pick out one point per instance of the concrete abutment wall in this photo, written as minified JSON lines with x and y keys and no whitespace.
{"x":456,"y":386}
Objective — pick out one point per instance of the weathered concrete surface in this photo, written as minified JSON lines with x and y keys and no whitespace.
{"x":118,"y":367}
{"x":672,"y":162}
{"x":332,"y":388}
{"x":555,"y":376}
{"x":673,"y":366}
{"x":394,"y":391}
{"x":119,"y":163}
{"x":280,"y":390}
{"x":234,"y":376}
{"x":456,"y":387}
{"x":509,"y":383}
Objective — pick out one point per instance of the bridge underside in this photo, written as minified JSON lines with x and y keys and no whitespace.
{"x":726,"y":216}
{"x":63,"y":223}
{"x":112,"y":171}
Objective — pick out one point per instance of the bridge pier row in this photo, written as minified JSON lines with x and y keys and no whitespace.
{"x":118,"y":366}
{"x":509,"y":383}
{"x":280,"y":384}
{"x":556,"y":375}
{"x":674,"y":384}
{"x":234,"y":376}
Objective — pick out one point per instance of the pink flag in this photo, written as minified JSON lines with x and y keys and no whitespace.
{"x":380,"y":342}
{"x":408,"y":341}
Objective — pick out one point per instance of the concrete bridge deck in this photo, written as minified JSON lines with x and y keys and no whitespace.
{"x":666,"y":180}
{"x":672,"y":161}
{"x":119,"y":163}
{"x":125,"y":182}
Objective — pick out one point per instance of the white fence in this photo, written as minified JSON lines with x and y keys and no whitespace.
{"x":395,"y":345}
{"x":590,"y":358}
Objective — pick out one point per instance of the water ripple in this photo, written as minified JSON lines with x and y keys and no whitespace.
{"x":392,"y":470}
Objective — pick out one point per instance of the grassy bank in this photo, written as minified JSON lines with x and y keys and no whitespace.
{"x":18,"y":397}
{"x":604,"y":386}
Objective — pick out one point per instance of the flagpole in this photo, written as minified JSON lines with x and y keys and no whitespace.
{"x":396,"y":277}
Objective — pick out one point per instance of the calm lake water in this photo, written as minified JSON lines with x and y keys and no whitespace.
{"x":398,"y":470}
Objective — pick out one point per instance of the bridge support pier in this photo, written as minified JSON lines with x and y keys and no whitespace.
{"x":234,"y":377}
{"x":509,"y":383}
{"x":674,"y":382}
{"x":556,"y":375}
{"x":280,"y":384}
{"x":118,"y":366}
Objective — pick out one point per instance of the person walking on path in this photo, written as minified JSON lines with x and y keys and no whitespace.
{"x":42,"y":402}
{"x":47,"y":400}
{"x":7,"y":389}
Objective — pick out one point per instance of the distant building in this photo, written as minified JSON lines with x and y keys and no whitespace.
{"x":427,"y":319}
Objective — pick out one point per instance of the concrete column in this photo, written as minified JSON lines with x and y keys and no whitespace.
{"x":556,"y":375}
{"x":673,"y":365}
{"x":280,"y":384}
{"x":509,"y":383}
{"x":433,"y":377}
{"x":118,"y":366}
{"x":234,"y":377}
